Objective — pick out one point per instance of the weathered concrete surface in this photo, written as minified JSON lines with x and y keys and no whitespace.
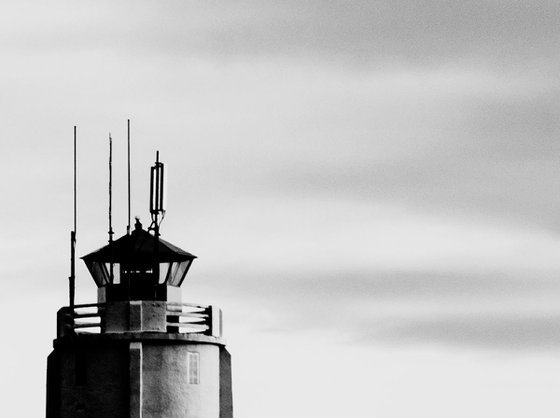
{"x":135,"y":316}
{"x":88,"y":380}
{"x":167,"y":392}
{"x":125,"y":374}
{"x":53,"y":385}
{"x":136,"y":379}
{"x":226,"y":395}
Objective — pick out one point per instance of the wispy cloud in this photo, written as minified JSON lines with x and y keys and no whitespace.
{"x":368,"y":33}
{"x":533,"y":333}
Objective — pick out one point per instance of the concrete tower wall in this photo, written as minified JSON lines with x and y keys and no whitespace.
{"x":226,"y":393}
{"x":88,"y":380}
{"x":130,"y":376}
{"x":166,"y":388}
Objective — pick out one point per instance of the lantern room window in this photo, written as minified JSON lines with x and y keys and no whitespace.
{"x":174,"y":273}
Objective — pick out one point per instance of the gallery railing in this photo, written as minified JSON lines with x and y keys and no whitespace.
{"x":135,"y":316}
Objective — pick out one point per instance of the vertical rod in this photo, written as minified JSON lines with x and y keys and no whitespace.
{"x":110,"y":188}
{"x":110,"y":201}
{"x":75,"y":187}
{"x":158,"y":191}
{"x":72,"y":278}
{"x":128,"y":157}
{"x":152,"y":199}
{"x":161,"y":188}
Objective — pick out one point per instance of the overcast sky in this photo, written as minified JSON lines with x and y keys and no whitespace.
{"x":372,"y":188}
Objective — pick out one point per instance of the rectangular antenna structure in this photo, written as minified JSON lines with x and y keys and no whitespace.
{"x":157,"y":188}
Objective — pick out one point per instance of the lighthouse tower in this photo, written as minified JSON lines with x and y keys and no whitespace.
{"x":140,"y":351}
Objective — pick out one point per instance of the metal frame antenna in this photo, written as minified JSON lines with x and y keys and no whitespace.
{"x":110,"y":188}
{"x":128,"y":157}
{"x":72,"y":278}
{"x":156,"y":206}
{"x":157,"y":193}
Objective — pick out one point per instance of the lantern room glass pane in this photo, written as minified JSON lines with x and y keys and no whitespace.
{"x":99,"y":273}
{"x":116,"y":272}
{"x":178,"y":271}
{"x":164,"y":271}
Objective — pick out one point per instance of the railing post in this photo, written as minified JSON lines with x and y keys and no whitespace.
{"x":173,"y":316}
{"x":102,"y":322}
{"x":213,"y":321}
{"x":65,"y":321}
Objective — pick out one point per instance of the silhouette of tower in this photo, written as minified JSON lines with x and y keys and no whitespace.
{"x":139,"y":351}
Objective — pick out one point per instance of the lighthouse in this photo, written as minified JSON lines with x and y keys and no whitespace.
{"x":139,"y":351}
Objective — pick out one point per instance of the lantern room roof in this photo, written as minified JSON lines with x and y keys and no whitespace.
{"x":140,"y":245}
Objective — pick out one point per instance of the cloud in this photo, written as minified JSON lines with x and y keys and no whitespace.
{"x":479,"y":331}
{"x":368,"y":33}
{"x":473,"y":143}
{"x":490,"y":310}
{"x":485,"y":312}
{"x":399,"y":287}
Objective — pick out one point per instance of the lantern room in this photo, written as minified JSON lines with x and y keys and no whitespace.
{"x":139,"y":266}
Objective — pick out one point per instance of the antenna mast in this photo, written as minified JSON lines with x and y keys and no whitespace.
{"x":156,"y":205}
{"x":110,"y":188}
{"x":157,"y":194}
{"x":128,"y":156}
{"x":72,"y":278}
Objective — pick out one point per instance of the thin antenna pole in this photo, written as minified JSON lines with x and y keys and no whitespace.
{"x":128,"y":156}
{"x":75,"y":187}
{"x":72,"y":278}
{"x":110,"y":188}
{"x":110,"y":200}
